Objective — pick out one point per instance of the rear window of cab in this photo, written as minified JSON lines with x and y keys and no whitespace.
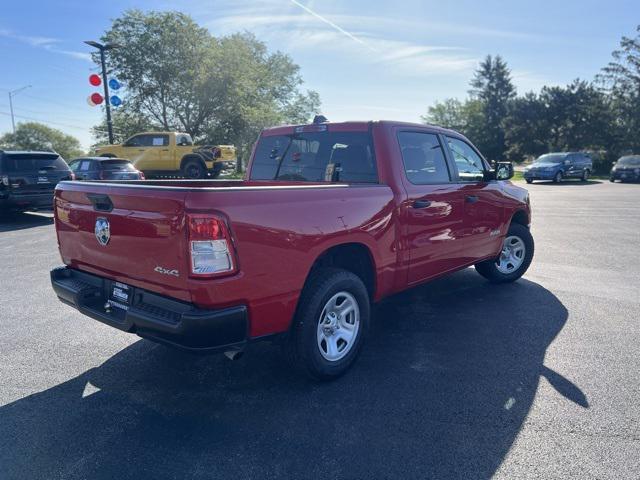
{"x":316,"y":157}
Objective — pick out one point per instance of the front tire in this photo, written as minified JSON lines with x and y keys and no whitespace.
{"x":585,"y":175}
{"x":514,"y":259}
{"x":330,"y":324}
{"x":528,"y":180}
{"x":557,"y":178}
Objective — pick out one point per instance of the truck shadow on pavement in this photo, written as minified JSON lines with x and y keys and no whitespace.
{"x":441,"y":391}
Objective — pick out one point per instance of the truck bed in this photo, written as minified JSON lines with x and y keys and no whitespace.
{"x":275,"y":226}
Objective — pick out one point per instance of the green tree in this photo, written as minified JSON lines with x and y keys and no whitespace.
{"x":621,"y":80}
{"x":126,"y":123}
{"x":577,"y":117}
{"x":220,"y":90}
{"x":36,"y":136}
{"x":526,"y":128}
{"x":491,"y":85}
{"x":448,"y":114}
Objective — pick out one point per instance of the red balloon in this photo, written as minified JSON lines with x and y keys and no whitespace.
{"x":95,"y":80}
{"x":96,"y":98}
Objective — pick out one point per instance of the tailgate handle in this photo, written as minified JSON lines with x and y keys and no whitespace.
{"x":101,"y":203}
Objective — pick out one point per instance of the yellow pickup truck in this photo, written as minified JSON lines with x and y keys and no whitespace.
{"x":171,"y":153}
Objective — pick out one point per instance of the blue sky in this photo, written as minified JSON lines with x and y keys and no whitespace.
{"x":366,"y":59}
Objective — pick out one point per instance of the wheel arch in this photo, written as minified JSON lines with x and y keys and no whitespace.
{"x":520,"y":216}
{"x":354,"y":257}
{"x":192,"y":156}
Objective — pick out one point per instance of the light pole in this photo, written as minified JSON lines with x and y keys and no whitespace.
{"x":11,"y":95}
{"x":103,"y":48}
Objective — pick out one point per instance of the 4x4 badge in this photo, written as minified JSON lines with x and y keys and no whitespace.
{"x":102,"y":231}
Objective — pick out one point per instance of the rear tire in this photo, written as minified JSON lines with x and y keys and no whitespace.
{"x":514,"y":259}
{"x":528,"y":180}
{"x":330,"y":325}
{"x":194,"y":169}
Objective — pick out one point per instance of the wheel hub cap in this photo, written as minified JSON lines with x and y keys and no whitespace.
{"x":512,"y":255}
{"x":338,"y":326}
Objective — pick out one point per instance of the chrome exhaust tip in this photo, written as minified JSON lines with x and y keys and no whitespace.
{"x":234,"y":354}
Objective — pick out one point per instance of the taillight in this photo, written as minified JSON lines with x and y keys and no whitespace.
{"x":141,"y":176}
{"x":73,"y":176}
{"x":102,"y":175}
{"x":210,"y":248}
{"x":5,"y":180}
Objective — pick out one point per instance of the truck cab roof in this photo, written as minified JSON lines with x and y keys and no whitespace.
{"x":354,"y":125}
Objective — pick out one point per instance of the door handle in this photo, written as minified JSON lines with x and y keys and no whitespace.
{"x":165,"y":149}
{"x":471,"y":198}
{"x":421,"y":203}
{"x":141,"y":149}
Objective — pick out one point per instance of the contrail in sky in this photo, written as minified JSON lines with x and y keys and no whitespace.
{"x":333,"y":25}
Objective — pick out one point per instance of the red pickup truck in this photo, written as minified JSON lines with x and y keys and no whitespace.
{"x":329,"y":218}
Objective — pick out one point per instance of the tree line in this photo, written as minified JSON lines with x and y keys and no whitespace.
{"x":224,"y":90}
{"x":180,"y":77}
{"x":601,"y":116}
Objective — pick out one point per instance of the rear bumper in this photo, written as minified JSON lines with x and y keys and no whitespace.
{"x":149,"y":315}
{"x":540,"y":175}
{"x":626,"y":176}
{"x":10,"y":200}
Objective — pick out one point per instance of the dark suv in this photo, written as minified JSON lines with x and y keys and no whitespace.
{"x":558,"y":166}
{"x":626,"y":169}
{"x":28,"y":179}
{"x":104,"y":168}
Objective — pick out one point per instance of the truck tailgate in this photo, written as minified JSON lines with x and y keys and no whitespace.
{"x":147,"y":244}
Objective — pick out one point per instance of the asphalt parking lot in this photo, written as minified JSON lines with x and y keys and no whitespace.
{"x":460,"y":379}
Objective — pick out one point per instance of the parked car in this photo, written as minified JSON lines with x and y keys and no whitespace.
{"x":171,"y":153}
{"x":560,"y":166}
{"x":104,"y":168}
{"x":626,"y":169}
{"x":28,"y":179}
{"x":330,"y":217}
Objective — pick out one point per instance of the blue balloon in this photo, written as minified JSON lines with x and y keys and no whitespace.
{"x":115,"y":100}
{"x":114,"y":84}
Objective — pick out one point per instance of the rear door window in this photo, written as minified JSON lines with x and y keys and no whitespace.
{"x":316,"y":157}
{"x":158,"y":140}
{"x":423,"y":158}
{"x":32,"y":162}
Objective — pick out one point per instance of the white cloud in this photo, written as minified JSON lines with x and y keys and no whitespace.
{"x":308,"y":30}
{"x":46,"y":43}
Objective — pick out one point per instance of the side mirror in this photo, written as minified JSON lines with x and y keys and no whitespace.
{"x":217,"y":152}
{"x":504,"y":170}
{"x":567,"y":162}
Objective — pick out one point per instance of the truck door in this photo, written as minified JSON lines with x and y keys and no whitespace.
{"x":160,"y":152}
{"x":574,"y":169}
{"x":433,"y":210}
{"x":482,"y":233}
{"x":134,"y":149}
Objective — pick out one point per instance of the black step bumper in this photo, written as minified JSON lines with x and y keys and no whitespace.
{"x":149,"y":315}
{"x":24,"y":201}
